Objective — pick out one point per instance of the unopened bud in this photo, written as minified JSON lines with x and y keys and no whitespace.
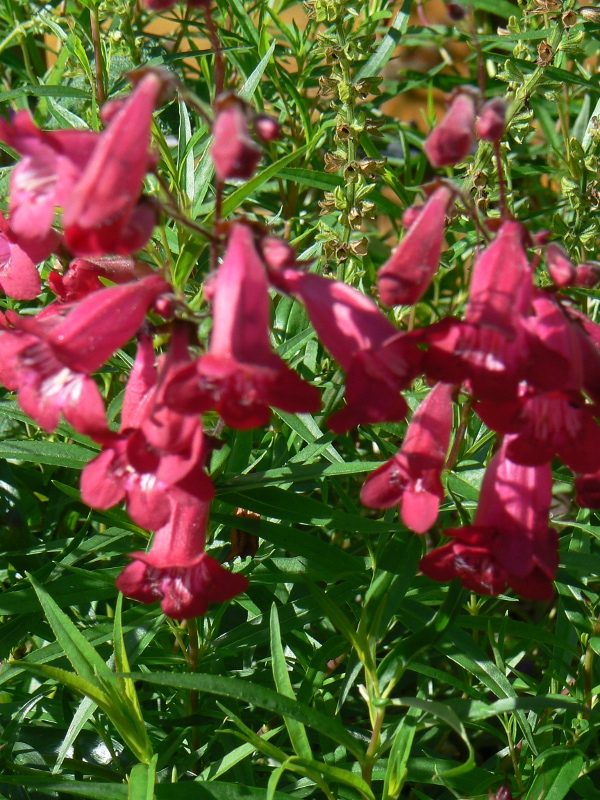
{"x":587,"y":275}
{"x":266,"y":128}
{"x":560,"y":267}
{"x":490,"y":124}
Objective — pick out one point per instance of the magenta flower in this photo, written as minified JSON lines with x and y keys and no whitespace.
{"x":405,"y":276}
{"x":452,"y":140}
{"x":233,"y":152}
{"x":104,"y":213}
{"x":509,"y":541}
{"x":157,"y":450}
{"x":240,"y":376}
{"x":83,"y":275}
{"x":560,"y":266}
{"x":378,"y":360}
{"x":489,"y":349}
{"x":549,"y":416}
{"x":491,"y":120}
{"x":411,"y":479}
{"x":176,"y":571}
{"x":43,"y":180}
{"x":18,"y":276}
{"x":48,"y":359}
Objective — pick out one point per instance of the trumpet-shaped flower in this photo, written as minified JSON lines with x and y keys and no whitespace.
{"x":405,"y":276}
{"x":176,"y":571}
{"x":509,"y":542}
{"x":240,"y":376}
{"x":411,"y":479}
{"x":452,"y":140}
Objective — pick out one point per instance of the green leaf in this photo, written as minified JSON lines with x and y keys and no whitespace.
{"x":388,"y":45}
{"x":57,"y":454}
{"x":142,"y":780}
{"x":257,"y":695}
{"x":249,"y":86}
{"x":556,"y":770}
{"x":296,"y":730}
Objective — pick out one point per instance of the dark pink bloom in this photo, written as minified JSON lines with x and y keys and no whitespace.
{"x":560,"y":266}
{"x":233,"y":152}
{"x":411,"y":214}
{"x":43,"y":180}
{"x":83,"y":275}
{"x":161,"y":5}
{"x":241,"y":376}
{"x":549,"y":416}
{"x":18,"y":276}
{"x":267,"y":128}
{"x":587,"y":275}
{"x":411,"y":479}
{"x":587,"y":487}
{"x":452,"y":140}
{"x":104,"y":213}
{"x":405,"y":276}
{"x":48,"y":358}
{"x":489,"y":349}
{"x":378,"y":361}
{"x":176,"y":571}
{"x":491,"y":120}
{"x":157,"y":450}
{"x":509,"y":541}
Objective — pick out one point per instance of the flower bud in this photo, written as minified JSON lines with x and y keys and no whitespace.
{"x":456,"y":12}
{"x":267,"y":128}
{"x":587,"y":275}
{"x":452,"y":140}
{"x":233,"y":152}
{"x":491,"y":121}
{"x":560,"y":267}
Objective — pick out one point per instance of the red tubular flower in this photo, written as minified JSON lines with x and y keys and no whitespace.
{"x":48,"y":358}
{"x":411,"y":479}
{"x":509,"y":541}
{"x":176,"y":571}
{"x":491,"y":120}
{"x":405,"y":276}
{"x":378,"y":361}
{"x":452,"y":140}
{"x":157,"y":450}
{"x":83,"y":275}
{"x":549,"y":416}
{"x":489,"y":348}
{"x":560,"y":266}
{"x":43,"y":180}
{"x":233,"y":152}
{"x":241,"y":376}
{"x":18,"y":276}
{"x":104,"y":213}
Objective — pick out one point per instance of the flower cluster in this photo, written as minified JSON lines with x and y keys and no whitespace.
{"x":528,"y":359}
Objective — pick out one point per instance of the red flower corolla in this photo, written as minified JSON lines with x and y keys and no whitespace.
{"x":489,"y":349}
{"x":176,"y":571}
{"x":157,"y":450}
{"x":48,"y":359}
{"x":378,"y":361}
{"x":43,"y":180}
{"x":83,"y":275}
{"x":405,"y":276}
{"x":491,"y":120}
{"x":509,"y":541}
{"x":587,"y":275}
{"x":452,"y":140}
{"x":161,"y":5}
{"x":587,"y":488}
{"x":233,"y":152}
{"x":552,"y":418}
{"x":240,"y":376}
{"x":560,"y":266}
{"x":104,"y":213}
{"x":18,"y":276}
{"x":411,"y":479}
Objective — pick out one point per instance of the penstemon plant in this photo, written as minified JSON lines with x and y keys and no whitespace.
{"x":225,"y":300}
